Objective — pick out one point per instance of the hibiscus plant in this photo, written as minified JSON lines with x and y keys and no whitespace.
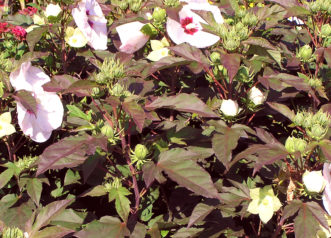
{"x":165,"y":118}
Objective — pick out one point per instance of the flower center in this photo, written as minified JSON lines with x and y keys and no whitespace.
{"x":188,"y":25}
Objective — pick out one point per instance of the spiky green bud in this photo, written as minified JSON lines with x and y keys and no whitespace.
{"x":140,"y":151}
{"x":159,"y":14}
{"x":305,"y":53}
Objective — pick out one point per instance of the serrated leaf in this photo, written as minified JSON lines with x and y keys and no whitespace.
{"x":176,"y":163}
{"x":69,"y":152}
{"x":96,"y":191}
{"x":35,"y":35}
{"x":292,"y":208}
{"x":136,"y":112}
{"x":122,"y":206}
{"x":283,"y":109}
{"x":53,"y":232}
{"x":34,"y":188}
{"x":305,"y":224}
{"x":199,"y":213}
{"x":223,"y":144}
{"x":232,"y":63}
{"x":107,"y":227}
{"x":182,"y":102}
{"x":47,"y":213}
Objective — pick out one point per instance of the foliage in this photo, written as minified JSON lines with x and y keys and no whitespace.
{"x":165,"y":118}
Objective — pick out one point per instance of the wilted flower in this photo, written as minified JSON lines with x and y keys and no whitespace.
{"x":264,"y":202}
{"x":229,"y":108}
{"x":75,"y":38}
{"x":6,"y":128}
{"x":327,"y":191}
{"x":90,"y":20}
{"x":28,"y":11}
{"x":131,"y":37}
{"x":256,"y":96}
{"x":53,"y":10}
{"x":313,"y":181}
{"x":48,"y":115}
{"x":188,"y":29}
{"x":19,"y":32}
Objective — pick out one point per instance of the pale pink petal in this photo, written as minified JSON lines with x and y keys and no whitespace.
{"x":90,"y":20}
{"x":327,"y":191}
{"x":48,"y":116}
{"x":202,"y":39}
{"x":28,"y":78}
{"x":207,"y":7}
{"x":131,"y":37}
{"x":175,"y":31}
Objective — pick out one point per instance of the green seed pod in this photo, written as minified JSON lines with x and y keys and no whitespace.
{"x":289,"y":145}
{"x":140,"y":151}
{"x":215,"y":57}
{"x":135,"y":5}
{"x":171,"y":3}
{"x":159,"y":14}
{"x":305,"y":53}
{"x":300,"y":145}
{"x":108,"y":131}
{"x":250,"y":20}
{"x":326,"y":30}
{"x":12,"y":233}
{"x":298,"y":119}
{"x":317,"y":132}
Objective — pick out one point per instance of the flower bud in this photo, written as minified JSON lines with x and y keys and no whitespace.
{"x":159,"y":14}
{"x":250,"y":20}
{"x":293,"y":145}
{"x":305,"y":53}
{"x":256,"y":96}
{"x":108,"y":131}
{"x":314,"y":181}
{"x":140,"y":151}
{"x":135,"y":5}
{"x":171,"y":3}
{"x":317,"y":132}
{"x":229,"y":108}
{"x":215,"y":57}
{"x":326,"y":30}
{"x":52,"y":10}
{"x":298,"y":119}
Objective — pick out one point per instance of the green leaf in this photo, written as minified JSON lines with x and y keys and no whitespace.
{"x":53,"y":232}
{"x":107,"y":227}
{"x":223,"y":144}
{"x":71,"y":177}
{"x":5,"y":176}
{"x":177,"y":164}
{"x":291,"y":209}
{"x":74,"y":111}
{"x":20,"y":19}
{"x":34,"y":188}
{"x":187,"y":232}
{"x":69,"y":152}
{"x":283,"y":109}
{"x":47,"y":213}
{"x":199,"y":213}
{"x":81,"y":87}
{"x":136,"y":112}
{"x":70,"y":219}
{"x":35,"y":35}
{"x":232,"y":63}
{"x":122,"y":205}
{"x":182,"y":102}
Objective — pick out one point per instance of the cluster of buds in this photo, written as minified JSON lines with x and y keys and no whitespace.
{"x":305,"y":54}
{"x":171,"y":3}
{"x":119,"y":91}
{"x":294,"y":144}
{"x":233,"y":35}
{"x":110,"y":71}
{"x":26,"y":163}
{"x":314,"y":82}
{"x":316,"y":125}
{"x":123,"y":5}
{"x":9,"y":232}
{"x":326,"y":30}
{"x":135,"y":5}
{"x":323,"y":6}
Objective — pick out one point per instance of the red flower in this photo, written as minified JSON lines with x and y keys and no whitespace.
{"x":28,"y":11}
{"x":19,"y":33}
{"x":3,"y":27}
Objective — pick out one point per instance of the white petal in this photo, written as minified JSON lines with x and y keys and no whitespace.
{"x":28,"y":78}
{"x":175,"y":31}
{"x":207,"y":7}
{"x":5,"y":117}
{"x":202,"y":39}
{"x":131,"y":37}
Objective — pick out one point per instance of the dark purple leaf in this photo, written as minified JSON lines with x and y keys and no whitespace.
{"x":232,"y":63}
{"x":136,"y":112}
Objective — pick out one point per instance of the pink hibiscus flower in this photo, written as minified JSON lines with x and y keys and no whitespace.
{"x":90,"y":20}
{"x":131,"y":37}
{"x":49,"y":109}
{"x":188,"y":29}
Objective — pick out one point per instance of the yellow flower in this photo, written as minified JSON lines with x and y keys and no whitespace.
{"x":264,"y":202}
{"x":159,"y":48}
{"x":6,"y":128}
{"x":75,"y":38}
